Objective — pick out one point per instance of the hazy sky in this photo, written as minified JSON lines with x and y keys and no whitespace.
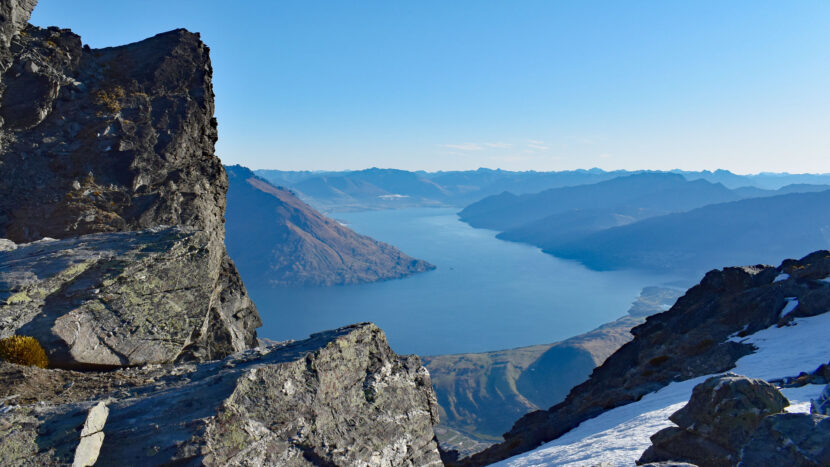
{"x":544,"y":85}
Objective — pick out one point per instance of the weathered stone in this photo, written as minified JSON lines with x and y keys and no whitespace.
{"x":821,"y":405}
{"x":791,"y":439}
{"x":339,"y":398}
{"x":14,"y":14}
{"x":678,"y":445}
{"x":716,"y":423}
{"x":92,"y":436}
{"x":139,"y":151}
{"x":123,"y":299}
{"x":113,"y":140}
{"x":728,"y":408}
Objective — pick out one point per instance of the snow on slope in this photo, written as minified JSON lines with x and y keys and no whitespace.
{"x":620,"y":436}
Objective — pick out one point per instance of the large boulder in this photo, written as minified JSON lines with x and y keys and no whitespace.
{"x":125,"y":299}
{"x":721,"y":415}
{"x":339,"y":398}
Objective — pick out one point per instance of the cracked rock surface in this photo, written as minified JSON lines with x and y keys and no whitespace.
{"x":341,"y":397}
{"x":123,"y":299}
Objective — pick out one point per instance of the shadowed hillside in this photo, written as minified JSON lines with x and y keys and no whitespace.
{"x":276,"y":238}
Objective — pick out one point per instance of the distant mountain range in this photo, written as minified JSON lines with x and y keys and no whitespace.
{"x":751,"y":231}
{"x":389,"y":188}
{"x":583,"y":208}
{"x":662,"y":221}
{"x":277,"y":239}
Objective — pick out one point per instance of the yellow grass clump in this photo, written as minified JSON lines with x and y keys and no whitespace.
{"x":23,"y":350}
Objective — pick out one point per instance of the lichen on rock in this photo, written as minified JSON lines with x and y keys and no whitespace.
{"x":298,"y":404}
{"x":107,"y":141}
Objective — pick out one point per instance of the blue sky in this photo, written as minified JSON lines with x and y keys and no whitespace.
{"x":521,"y":85}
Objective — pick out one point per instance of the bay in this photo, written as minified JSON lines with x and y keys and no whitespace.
{"x":486,"y":294}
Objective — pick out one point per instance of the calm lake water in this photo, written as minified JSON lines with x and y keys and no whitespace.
{"x":486,"y":294}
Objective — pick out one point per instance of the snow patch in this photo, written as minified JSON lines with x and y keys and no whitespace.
{"x":792,"y":302}
{"x":619,"y":436}
{"x":782,"y":277}
{"x":800,"y":397}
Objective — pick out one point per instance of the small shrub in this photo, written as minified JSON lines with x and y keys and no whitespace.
{"x":702,"y":346}
{"x":111,"y":99}
{"x":658,"y":360}
{"x":23,"y":350}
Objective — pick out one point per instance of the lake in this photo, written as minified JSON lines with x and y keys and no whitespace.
{"x":487,"y":294}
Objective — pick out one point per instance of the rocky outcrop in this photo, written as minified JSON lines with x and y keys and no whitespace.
{"x":718,"y":421}
{"x":794,"y":439}
{"x":732,"y":420}
{"x":124,"y":299}
{"x":107,"y":140}
{"x":112,"y":140}
{"x":279,"y":240}
{"x":339,"y":398}
{"x":693,"y":338}
{"x":14,"y":15}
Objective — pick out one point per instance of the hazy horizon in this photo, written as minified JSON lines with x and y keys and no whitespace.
{"x":521,"y":85}
{"x":587,"y":169}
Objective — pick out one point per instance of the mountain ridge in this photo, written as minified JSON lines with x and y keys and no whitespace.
{"x":692,"y":339}
{"x":277,"y":239}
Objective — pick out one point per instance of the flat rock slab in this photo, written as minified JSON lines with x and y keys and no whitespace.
{"x":119,"y":299}
{"x":338,"y":398}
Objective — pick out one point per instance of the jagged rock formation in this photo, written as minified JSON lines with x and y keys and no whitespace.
{"x":279,"y":240}
{"x":718,"y":421}
{"x":113,"y":140}
{"x":339,"y":398}
{"x":123,"y":299}
{"x":692,"y":339}
{"x":107,"y":140}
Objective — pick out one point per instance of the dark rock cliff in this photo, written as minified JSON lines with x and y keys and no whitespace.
{"x":113,"y":140}
{"x":691,"y":339}
{"x":277,"y":239}
{"x":107,"y":140}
